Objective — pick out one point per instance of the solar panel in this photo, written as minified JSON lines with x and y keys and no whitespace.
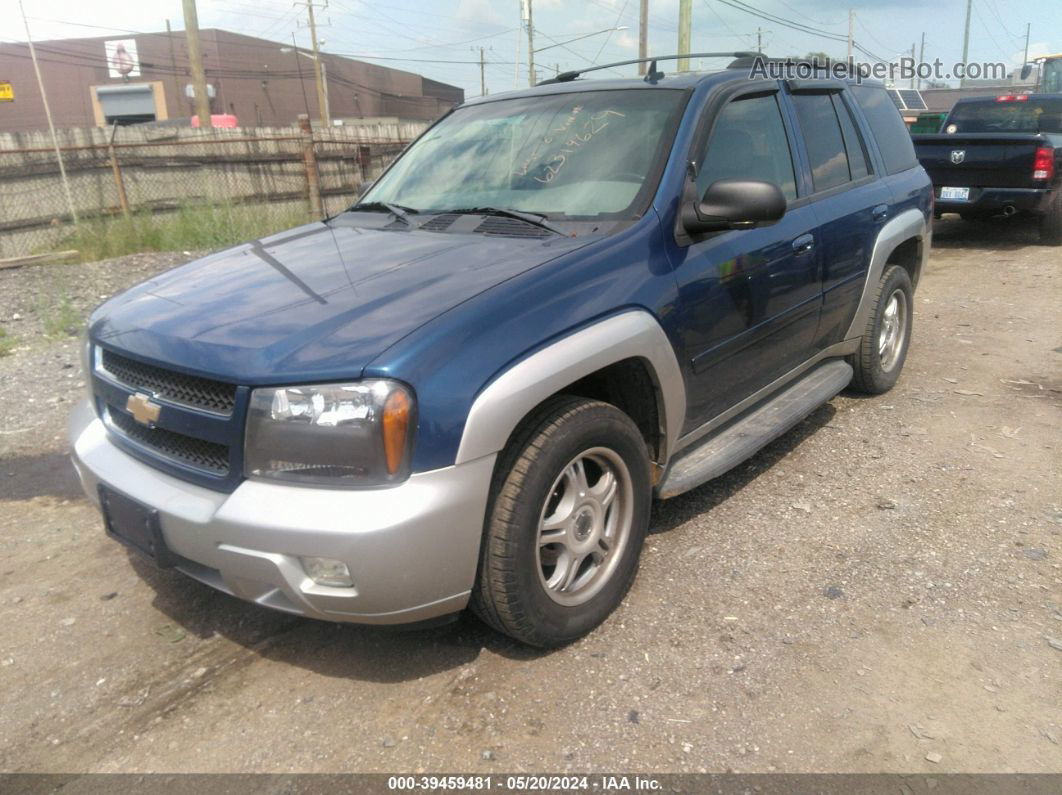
{"x":895,"y":96}
{"x":912,"y":99}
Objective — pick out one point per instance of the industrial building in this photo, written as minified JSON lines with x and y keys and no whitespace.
{"x":146,"y":77}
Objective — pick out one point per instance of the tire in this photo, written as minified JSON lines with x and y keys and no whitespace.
{"x":878,"y":362}
{"x":521,"y":588}
{"x":1051,"y":222}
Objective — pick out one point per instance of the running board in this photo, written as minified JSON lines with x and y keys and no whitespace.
{"x":722,"y":452}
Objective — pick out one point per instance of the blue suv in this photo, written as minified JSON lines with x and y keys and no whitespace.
{"x":466,"y":390}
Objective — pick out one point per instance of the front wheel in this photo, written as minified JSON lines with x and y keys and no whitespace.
{"x":568,"y":516}
{"x":883,"y":346}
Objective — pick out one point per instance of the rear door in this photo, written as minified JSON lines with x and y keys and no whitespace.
{"x":851,"y":201}
{"x":748,"y":299}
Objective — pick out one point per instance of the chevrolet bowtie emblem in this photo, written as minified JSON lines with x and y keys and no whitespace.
{"x":143,"y":410}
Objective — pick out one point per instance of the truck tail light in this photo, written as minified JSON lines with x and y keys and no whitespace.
{"x":1044,"y":163}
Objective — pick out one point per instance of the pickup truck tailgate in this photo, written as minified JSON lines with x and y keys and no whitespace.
{"x":987,"y":160}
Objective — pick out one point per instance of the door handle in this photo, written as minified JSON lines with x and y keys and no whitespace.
{"x":803,"y":244}
{"x":880,"y":213}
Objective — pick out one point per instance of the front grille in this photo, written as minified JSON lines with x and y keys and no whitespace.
{"x":207,"y":456}
{"x":187,"y":390}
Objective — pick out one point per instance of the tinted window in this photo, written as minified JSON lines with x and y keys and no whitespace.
{"x":822,"y":136}
{"x":888,"y":128}
{"x":749,"y":142}
{"x":853,"y":141}
{"x":1017,"y":115}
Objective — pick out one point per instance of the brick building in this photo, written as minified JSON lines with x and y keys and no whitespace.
{"x":146,"y":77}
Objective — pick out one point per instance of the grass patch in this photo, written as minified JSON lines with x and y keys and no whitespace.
{"x":7,"y":342}
{"x":195,"y":226}
{"x":61,"y":320}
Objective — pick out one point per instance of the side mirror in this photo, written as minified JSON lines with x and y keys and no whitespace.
{"x":1026,"y":70}
{"x":734,"y":204}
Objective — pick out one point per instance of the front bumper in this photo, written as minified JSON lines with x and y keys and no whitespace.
{"x":989,"y":201}
{"x":412,"y":549}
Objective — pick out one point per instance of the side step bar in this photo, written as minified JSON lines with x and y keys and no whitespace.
{"x":722,"y":452}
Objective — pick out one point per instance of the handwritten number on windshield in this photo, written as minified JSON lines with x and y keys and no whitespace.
{"x":553,"y":165}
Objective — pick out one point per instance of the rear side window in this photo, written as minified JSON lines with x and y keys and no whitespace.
{"x":823,"y":139}
{"x":749,"y":142}
{"x":894,"y":142}
{"x":853,"y":141}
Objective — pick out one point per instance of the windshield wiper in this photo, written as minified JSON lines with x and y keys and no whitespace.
{"x":397,"y":210}
{"x":535,"y":219}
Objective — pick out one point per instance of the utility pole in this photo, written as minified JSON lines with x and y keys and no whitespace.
{"x":921,"y":56}
{"x":851,"y":26}
{"x":966,"y":37}
{"x":684,"y":26}
{"x":759,"y":40}
{"x":298,"y":68}
{"x":1025,"y":58}
{"x":482,"y":74}
{"x":643,"y":35}
{"x":530,"y":46}
{"x":195,"y":58}
{"x":48,"y":114}
{"x":318,"y":73}
{"x":177,"y":93}
{"x":916,"y":65}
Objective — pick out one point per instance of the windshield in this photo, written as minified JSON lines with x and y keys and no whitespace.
{"x":582,"y":155}
{"x":1028,"y":115}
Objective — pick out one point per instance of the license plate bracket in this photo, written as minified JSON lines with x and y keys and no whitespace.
{"x":955,"y":194}
{"x":134,"y":524}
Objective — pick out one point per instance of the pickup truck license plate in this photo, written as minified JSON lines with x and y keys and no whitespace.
{"x":955,"y":194}
{"x":135,"y":525}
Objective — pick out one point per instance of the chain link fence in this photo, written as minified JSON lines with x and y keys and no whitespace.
{"x":256,"y":181}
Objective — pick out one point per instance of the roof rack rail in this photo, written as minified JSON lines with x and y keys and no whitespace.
{"x":652,"y":73}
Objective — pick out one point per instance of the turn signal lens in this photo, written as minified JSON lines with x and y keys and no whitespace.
{"x":395,"y":428}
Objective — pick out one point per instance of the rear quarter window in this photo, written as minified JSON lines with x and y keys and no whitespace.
{"x":887,"y":127}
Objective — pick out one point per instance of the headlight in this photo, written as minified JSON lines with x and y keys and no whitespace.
{"x":339,"y":435}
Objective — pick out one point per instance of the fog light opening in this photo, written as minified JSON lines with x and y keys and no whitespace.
{"x":328,"y":571}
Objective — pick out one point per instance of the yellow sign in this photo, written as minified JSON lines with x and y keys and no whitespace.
{"x":7,"y":93}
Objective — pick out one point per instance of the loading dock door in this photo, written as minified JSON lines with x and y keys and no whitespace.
{"x":127,"y":103}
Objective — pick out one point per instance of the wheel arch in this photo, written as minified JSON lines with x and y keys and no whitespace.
{"x":625,"y":359}
{"x":904,"y":241}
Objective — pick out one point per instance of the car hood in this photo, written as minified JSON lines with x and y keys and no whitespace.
{"x":317,"y":302}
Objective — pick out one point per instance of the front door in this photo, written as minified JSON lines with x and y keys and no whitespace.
{"x":749,"y":300}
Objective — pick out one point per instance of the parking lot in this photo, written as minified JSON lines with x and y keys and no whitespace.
{"x":879,"y":590}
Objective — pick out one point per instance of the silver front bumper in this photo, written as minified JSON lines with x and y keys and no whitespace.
{"x":412,"y":550}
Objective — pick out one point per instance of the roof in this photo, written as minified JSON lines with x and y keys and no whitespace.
{"x":993,"y":97}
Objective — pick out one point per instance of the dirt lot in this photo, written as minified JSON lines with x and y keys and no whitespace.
{"x":880,"y":587}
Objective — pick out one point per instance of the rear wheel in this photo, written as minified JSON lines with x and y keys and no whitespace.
{"x":568,"y":515}
{"x":1051,"y":222}
{"x":883,"y":347}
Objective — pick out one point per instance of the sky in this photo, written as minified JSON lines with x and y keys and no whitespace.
{"x":441,"y":38}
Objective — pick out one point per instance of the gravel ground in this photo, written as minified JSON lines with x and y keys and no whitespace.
{"x":879,"y":590}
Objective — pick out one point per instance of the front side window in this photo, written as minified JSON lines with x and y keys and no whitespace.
{"x":581,"y":155}
{"x":749,"y":142}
